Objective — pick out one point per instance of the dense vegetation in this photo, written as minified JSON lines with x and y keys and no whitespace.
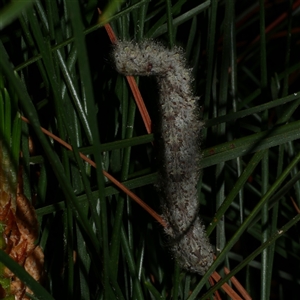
{"x":57,"y":70}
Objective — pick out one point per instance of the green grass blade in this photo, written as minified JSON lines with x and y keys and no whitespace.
{"x":37,"y":289}
{"x":11,"y":11}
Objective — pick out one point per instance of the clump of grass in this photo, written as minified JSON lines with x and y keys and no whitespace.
{"x":99,"y":244}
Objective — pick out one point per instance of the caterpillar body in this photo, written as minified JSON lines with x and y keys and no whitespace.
{"x":180,"y":131}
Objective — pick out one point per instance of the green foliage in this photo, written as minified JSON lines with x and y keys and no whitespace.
{"x":10,"y":135}
{"x":98,"y":244}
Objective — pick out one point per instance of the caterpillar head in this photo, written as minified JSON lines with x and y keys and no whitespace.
{"x":146,"y":58}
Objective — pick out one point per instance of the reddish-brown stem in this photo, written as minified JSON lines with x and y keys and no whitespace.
{"x":238,"y":286}
{"x":109,"y":31}
{"x":272,"y":26}
{"x":138,"y":200}
{"x":230,"y":292}
{"x":216,"y":294}
{"x":140,"y":103}
{"x":295,"y":205}
{"x":276,"y":22}
{"x":133,"y":86}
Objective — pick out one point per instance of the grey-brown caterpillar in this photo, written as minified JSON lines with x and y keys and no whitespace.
{"x":180,"y":130}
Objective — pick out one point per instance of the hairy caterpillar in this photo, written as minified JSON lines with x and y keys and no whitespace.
{"x":180,"y":129}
